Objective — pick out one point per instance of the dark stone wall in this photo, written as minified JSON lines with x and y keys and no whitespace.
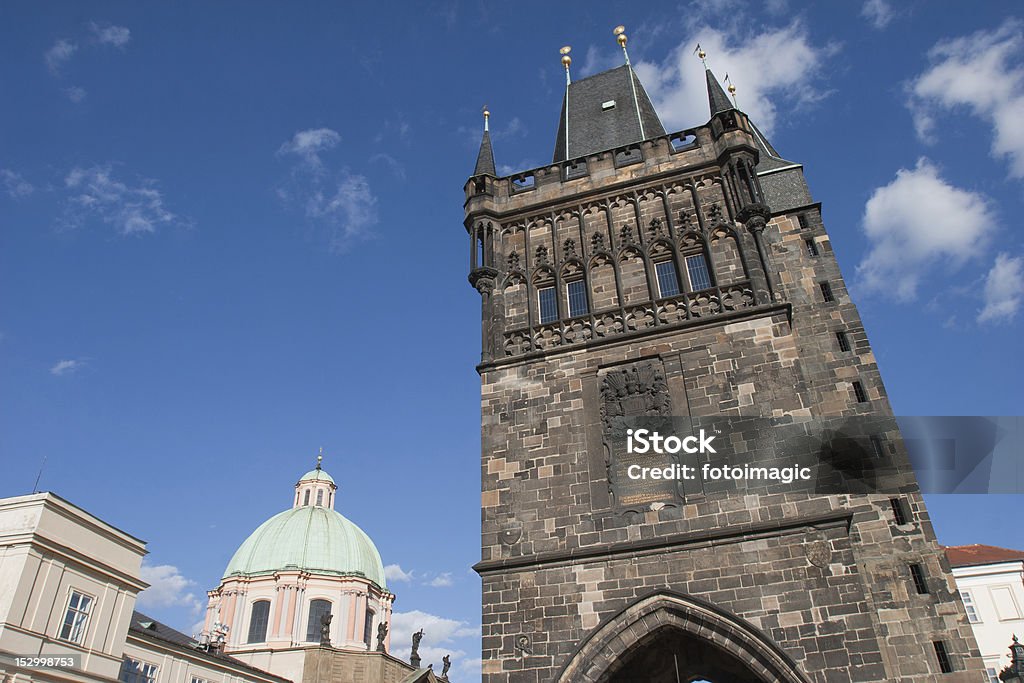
{"x":824,"y":578}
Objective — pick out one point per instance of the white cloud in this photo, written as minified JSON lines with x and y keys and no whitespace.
{"x":774,"y":66}
{"x":58,"y":55}
{"x":394,"y":572}
{"x":878,"y":13}
{"x":168,"y":588}
{"x":1003,"y":287}
{"x":308,"y":144}
{"x":984,"y":74}
{"x":917,"y":221}
{"x":339,"y":201}
{"x":439,"y":636}
{"x":14,"y":185}
{"x":75,"y":93}
{"x":131,"y":210}
{"x":441,"y":580}
{"x":108,"y":34}
{"x":66,"y":367}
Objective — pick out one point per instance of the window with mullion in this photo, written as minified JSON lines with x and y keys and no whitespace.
{"x":548,"y":305}
{"x":668,"y":280}
{"x":576,"y":292}
{"x":318,"y":609}
{"x":76,"y":618}
{"x":697,"y":269}
{"x":258,"y":621}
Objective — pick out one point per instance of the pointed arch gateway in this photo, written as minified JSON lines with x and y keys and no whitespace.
{"x":668,"y":637}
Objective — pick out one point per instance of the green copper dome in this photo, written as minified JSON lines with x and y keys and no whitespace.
{"x":316,"y":475}
{"x":309,"y":538}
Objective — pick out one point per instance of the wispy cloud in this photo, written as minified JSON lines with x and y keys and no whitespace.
{"x":393,"y":164}
{"x":168,"y":588}
{"x":131,"y":209}
{"x":58,"y":55}
{"x":66,"y":367}
{"x":916,"y":222}
{"x":75,"y":93}
{"x":108,"y":34}
{"x":1004,"y":285}
{"x":982,"y":73}
{"x":336,"y":199}
{"x":441,"y":636}
{"x":14,"y":185}
{"x":394,"y":572}
{"x":770,"y":67}
{"x":441,"y":580}
{"x":877,"y":12}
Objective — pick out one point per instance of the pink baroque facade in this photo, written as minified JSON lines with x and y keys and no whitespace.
{"x":295,"y":568}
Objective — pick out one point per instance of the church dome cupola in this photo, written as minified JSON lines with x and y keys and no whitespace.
{"x":315,"y":487}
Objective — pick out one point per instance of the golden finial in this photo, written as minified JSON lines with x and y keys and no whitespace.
{"x":620,"y":33}
{"x":320,"y":457}
{"x":487,"y":116}
{"x":701,"y":54}
{"x":566,"y":61}
{"x":731,"y":89}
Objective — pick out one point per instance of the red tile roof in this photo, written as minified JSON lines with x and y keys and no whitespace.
{"x":969,"y":555}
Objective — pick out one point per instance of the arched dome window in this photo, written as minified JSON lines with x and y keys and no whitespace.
{"x":317,"y":610}
{"x":258,"y":620}
{"x":305,"y":500}
{"x":320,"y":498}
{"x":368,"y":628}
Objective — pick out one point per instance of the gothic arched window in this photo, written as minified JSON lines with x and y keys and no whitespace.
{"x":258,"y":620}
{"x":317,"y":610}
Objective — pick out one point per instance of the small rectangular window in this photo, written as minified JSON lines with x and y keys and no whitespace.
{"x":858,"y":392}
{"x":577,"y":294}
{"x":917,"y":574}
{"x":993,"y":677}
{"x":548,"y":306}
{"x":812,"y":247}
{"x":969,"y":607}
{"x":877,"y":447}
{"x":945,"y":665}
{"x":668,"y":280}
{"x":804,"y":223}
{"x":134,"y":671}
{"x":697,"y":269}
{"x":899,"y":511}
{"x":843,"y":340}
{"x":826,"y":291}
{"x":76,"y":618}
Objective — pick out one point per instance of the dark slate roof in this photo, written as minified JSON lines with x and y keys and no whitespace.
{"x":769,"y":158}
{"x":147,"y":627}
{"x":971,"y":555}
{"x":485,"y":159}
{"x":716,"y":96}
{"x":594,"y":129}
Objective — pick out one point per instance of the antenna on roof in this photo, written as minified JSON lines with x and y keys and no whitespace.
{"x":701,"y":54}
{"x":487,"y":116}
{"x":35,"y":488}
{"x":620,"y":36}
{"x":732,"y":90}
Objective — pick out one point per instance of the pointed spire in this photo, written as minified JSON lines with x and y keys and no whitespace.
{"x":716,"y":96}
{"x":485,"y":159}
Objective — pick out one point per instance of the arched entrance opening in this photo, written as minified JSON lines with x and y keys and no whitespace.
{"x":674,"y":656}
{"x":667,"y":637}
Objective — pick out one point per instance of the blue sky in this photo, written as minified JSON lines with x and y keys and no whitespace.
{"x":230,"y":234}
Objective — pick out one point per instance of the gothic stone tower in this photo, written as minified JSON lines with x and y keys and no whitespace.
{"x":688,"y":273}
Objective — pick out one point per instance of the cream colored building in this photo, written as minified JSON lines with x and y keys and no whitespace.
{"x":69,"y":583}
{"x":991,"y":582}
